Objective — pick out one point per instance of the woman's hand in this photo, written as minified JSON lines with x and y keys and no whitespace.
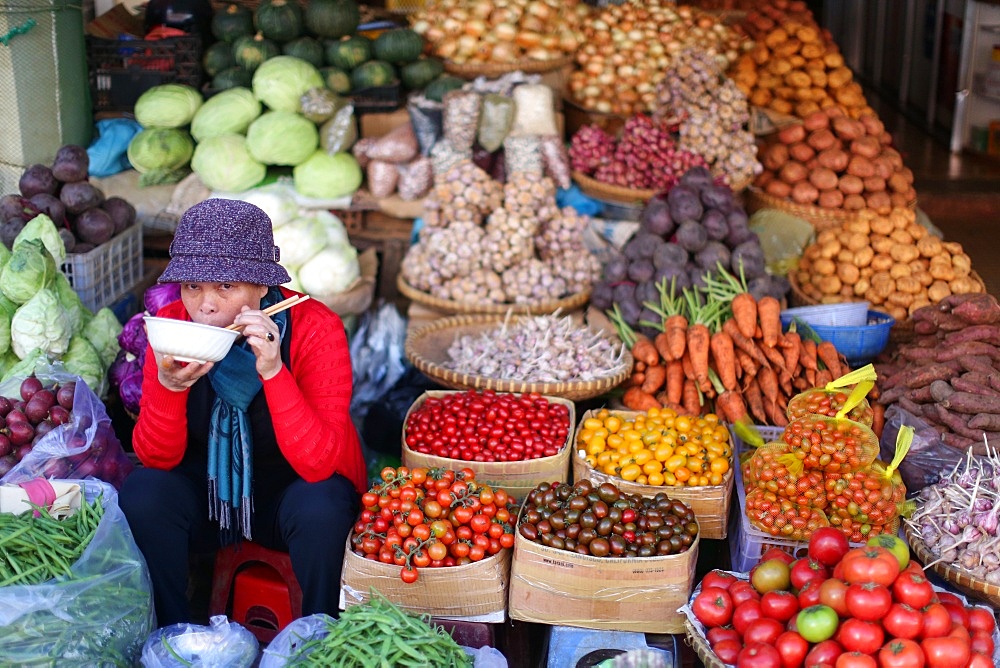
{"x":262,"y":334}
{"x":176,"y":376}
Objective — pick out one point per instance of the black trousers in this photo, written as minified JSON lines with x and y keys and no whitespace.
{"x":168,"y":514}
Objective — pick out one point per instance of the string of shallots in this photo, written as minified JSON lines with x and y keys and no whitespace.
{"x":958,"y":517}
{"x":543,"y":348}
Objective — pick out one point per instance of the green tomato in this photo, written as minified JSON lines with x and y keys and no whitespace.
{"x":817,"y":623}
{"x":771,"y":575}
{"x":894,"y":544}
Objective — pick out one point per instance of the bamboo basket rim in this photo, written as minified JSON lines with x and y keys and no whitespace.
{"x":526,"y":65}
{"x":417,"y":353}
{"x":569,"y":303}
{"x":806,"y":300}
{"x":700,"y":646}
{"x":821,"y":218}
{"x":959,"y":577}
{"x":608,"y":191}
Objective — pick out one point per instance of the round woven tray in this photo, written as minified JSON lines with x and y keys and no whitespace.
{"x":427,"y":349}
{"x":701,"y":646}
{"x":820,"y":218}
{"x":570,"y":303}
{"x":974,"y":587}
{"x":609,"y":192}
{"x":526,"y":65}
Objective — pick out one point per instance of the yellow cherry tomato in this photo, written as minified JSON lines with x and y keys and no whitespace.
{"x":630,"y":472}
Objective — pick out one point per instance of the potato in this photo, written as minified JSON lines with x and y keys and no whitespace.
{"x":952,"y":247}
{"x":846,"y":255}
{"x":784,"y":93}
{"x":850,"y":184}
{"x":879,"y":201}
{"x":763,"y":179}
{"x":882,"y":225}
{"x":903,"y":199}
{"x":873,"y":125}
{"x":779,"y":67}
{"x":848,"y":129}
{"x":804,"y":192}
{"x":868,"y":147}
{"x":790,"y":134}
{"x":917,"y":231}
{"x":806,"y":108}
{"x":903,"y":253}
{"x":840,"y":76}
{"x":920,"y":264}
{"x":817,"y":77}
{"x":898,"y":271}
{"x":883,"y":167}
{"x":901,"y":237}
{"x":854,"y":203}
{"x":831,"y":199}
{"x":829,"y":249}
{"x":937,"y":291}
{"x":787,"y":48}
{"x":797,"y":61}
{"x":874,"y":184}
{"x":863,"y":256}
{"x":830,"y":284}
{"x":963,"y":285}
{"x":942,"y":270}
{"x":824,"y":267}
{"x":778,"y":188}
{"x":823,"y":178}
{"x":860,"y":166}
{"x":848,"y":273}
{"x":833,"y":158}
{"x":862,"y":285}
{"x":775,"y":157}
{"x":801,"y":152}
{"x":807,"y":34}
{"x":826,"y":236}
{"x":894,"y":158}
{"x":902,"y":218}
{"x":881,"y":263}
{"x":760,"y":97}
{"x":962,"y":264}
{"x":775,"y":37}
{"x":919,"y":301}
{"x":923,"y":277}
{"x":881,"y":244}
{"x":782,"y":106}
{"x":821,"y":139}
{"x":900,"y":298}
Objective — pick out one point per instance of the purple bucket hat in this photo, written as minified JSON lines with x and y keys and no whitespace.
{"x":221,"y":240}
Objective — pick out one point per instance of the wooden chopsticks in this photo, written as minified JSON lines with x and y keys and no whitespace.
{"x":278,"y":308}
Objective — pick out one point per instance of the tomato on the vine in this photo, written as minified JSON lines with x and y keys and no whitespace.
{"x":408,"y":574}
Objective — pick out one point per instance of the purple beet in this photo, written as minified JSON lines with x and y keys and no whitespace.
{"x":29,"y":386}
{"x":51,"y":206}
{"x":38,"y":179}
{"x":71,"y":164}
{"x":65,"y":395}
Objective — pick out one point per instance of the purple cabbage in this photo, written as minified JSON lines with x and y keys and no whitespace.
{"x":160,"y":295}
{"x":130,"y":391}
{"x":133,"y":335}
{"x":122,"y":367}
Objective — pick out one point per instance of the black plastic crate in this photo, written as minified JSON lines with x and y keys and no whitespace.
{"x":378,"y":100}
{"x":122,"y":70}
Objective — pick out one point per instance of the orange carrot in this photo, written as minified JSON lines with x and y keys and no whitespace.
{"x":639,"y":366}
{"x":742,"y":342}
{"x":698,"y":344}
{"x":745,"y":313}
{"x":827,"y":352}
{"x":644,"y":350}
{"x":746,"y":362}
{"x":823,"y":376}
{"x":730,"y":407}
{"x":755,"y":401}
{"x":662,"y":347}
{"x":676,"y":327}
{"x":791,"y":347}
{"x":724,"y":356}
{"x":690,"y":400}
{"x":636,"y":379}
{"x":808,"y":355}
{"x":811,"y":378}
{"x":662,"y":398}
{"x":775,"y":358}
{"x":769,"y":313}
{"x":637,"y":400}
{"x":774,"y":414}
{"x":686,"y":364}
{"x":675,"y":381}
{"x":768,"y":381}
{"x":878,"y":419}
{"x":656,"y":376}
{"x":800,"y":383}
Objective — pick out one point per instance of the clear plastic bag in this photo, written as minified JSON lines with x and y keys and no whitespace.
{"x":415,"y":179}
{"x":523,"y":155}
{"x":535,"y":111}
{"x":426,"y":117}
{"x":928,"y":459}
{"x":495,"y":120}
{"x":99,"y":616}
{"x":396,"y":146}
{"x":340,"y":132}
{"x":555,"y":160}
{"x":461,"y":118}
{"x":377,"y":359}
{"x":223,"y":644}
{"x":383,"y":177}
{"x":84,"y":447}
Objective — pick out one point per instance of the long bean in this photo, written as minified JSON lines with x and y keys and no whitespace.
{"x":379,"y":633}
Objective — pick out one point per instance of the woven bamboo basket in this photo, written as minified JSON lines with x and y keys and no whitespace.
{"x":516,"y":478}
{"x":820,"y":218}
{"x":710,"y":503}
{"x":700,"y":645}
{"x":967,"y":584}
{"x":570,"y":303}
{"x":610,"y":192}
{"x":427,"y":349}
{"x":493,"y":70}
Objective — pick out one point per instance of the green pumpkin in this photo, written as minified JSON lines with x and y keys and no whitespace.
{"x":418,"y":74}
{"x":231,"y":23}
{"x":232,"y":77}
{"x":279,"y":20}
{"x":398,"y":46}
{"x":436,"y":89}
{"x":372,"y":74}
{"x":218,"y":57}
{"x":332,"y":19}
{"x":305,"y":48}
{"x":250,"y":52}
{"x":336,"y":80}
{"x":348,"y":52}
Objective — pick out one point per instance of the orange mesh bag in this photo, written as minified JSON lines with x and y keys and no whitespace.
{"x":769,"y":470}
{"x":781,"y":518}
{"x":830,"y":399}
{"x":831,"y":445}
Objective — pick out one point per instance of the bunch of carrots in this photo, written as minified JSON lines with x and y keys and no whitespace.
{"x":718,"y":349}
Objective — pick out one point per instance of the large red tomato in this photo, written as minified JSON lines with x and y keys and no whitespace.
{"x":937,"y":621}
{"x":902,"y":621}
{"x":809,"y":595}
{"x":980,"y":661}
{"x":894,"y":544}
{"x":855,"y":660}
{"x":717,"y":578}
{"x":824,"y":652}
{"x":858,"y":636}
{"x":742,"y":591}
{"x":717,"y":634}
{"x":780,"y":605}
{"x":912,"y":589}
{"x":792,"y":648}
{"x":765,"y":630}
{"x":982,"y":642}
{"x":745,"y":613}
{"x":828,"y":545}
{"x":868,"y":602}
{"x":981,"y":619}
{"x":958,"y":613}
{"x":901,"y":654}
{"x":807,"y":570}
{"x":870,"y":564}
{"x":758,"y":655}
{"x":946,"y":652}
{"x":727,"y":650}
{"x":776,"y":553}
{"x":832,"y":593}
{"x":713,"y":607}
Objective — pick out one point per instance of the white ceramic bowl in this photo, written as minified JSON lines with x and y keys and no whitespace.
{"x":189,"y":341}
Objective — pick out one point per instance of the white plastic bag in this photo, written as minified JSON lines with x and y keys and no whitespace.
{"x":224,"y":644}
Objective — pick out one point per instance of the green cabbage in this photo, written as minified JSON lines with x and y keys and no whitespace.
{"x":31,"y":362}
{"x":7,"y":310}
{"x":102,"y":331}
{"x":160,"y":150}
{"x":224,"y":164}
{"x":299,"y":240}
{"x":42,"y":228}
{"x":40,"y":323}
{"x":276,"y":200}
{"x":280,"y":82}
{"x":76,"y":313}
{"x":326,"y":176}
{"x":228,"y":112}
{"x":83,"y":360}
{"x":331,"y":271}
{"x":282,"y":138}
{"x":5,"y":255}
{"x":167,"y":106}
{"x":30,"y":269}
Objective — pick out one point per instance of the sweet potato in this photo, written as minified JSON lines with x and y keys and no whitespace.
{"x":987,"y":333}
{"x":939,"y":390}
{"x":980,"y":309}
{"x":960,"y":442}
{"x":922,"y":395}
{"x":985,"y":421}
{"x":970,"y":403}
{"x":920,"y":376}
{"x":960,"y":350}
{"x":980,"y":364}
{"x":918,"y":354}
{"x":974,"y":386}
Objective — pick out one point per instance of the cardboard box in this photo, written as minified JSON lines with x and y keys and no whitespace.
{"x":640,"y":594}
{"x":477,"y":590}
{"x":516,"y":478}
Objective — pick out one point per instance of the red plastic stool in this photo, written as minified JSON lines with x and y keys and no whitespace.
{"x":261,"y":585}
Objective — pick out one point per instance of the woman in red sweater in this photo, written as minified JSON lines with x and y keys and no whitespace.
{"x":257,"y":446}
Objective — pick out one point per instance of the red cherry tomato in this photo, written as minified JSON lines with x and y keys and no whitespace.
{"x":713,"y":607}
{"x":828,"y":545}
